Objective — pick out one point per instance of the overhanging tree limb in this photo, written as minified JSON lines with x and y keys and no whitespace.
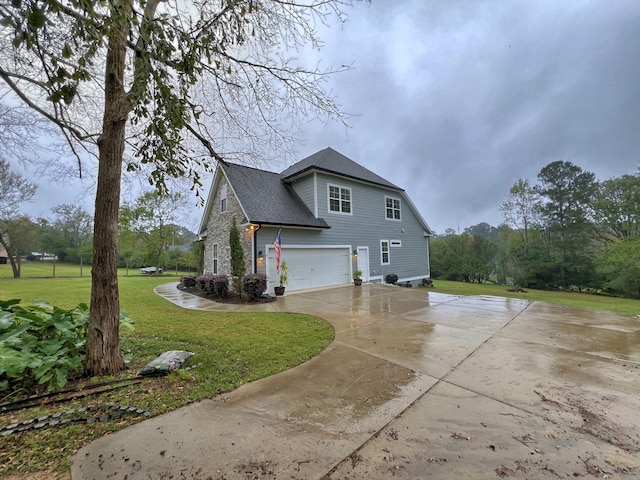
{"x":61,"y":123}
{"x":207,"y":72}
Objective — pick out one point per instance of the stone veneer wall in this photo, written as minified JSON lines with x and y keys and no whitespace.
{"x":218,"y":228}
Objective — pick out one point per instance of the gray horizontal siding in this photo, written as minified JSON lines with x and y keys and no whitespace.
{"x":304,"y":189}
{"x":366,"y":226}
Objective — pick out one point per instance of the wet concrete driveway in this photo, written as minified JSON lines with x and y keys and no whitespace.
{"x":416,"y":385}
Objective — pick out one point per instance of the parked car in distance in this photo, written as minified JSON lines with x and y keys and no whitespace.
{"x":150,"y":270}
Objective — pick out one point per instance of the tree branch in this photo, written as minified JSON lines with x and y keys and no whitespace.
{"x":206,"y":143}
{"x":6,"y":76}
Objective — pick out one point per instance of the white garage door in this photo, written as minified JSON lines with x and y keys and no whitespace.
{"x":311,"y":267}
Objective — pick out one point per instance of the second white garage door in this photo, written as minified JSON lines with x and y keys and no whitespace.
{"x":311,"y":267}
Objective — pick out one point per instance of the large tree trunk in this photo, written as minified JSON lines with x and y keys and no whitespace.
{"x":15,"y":266}
{"x":103,"y":347}
{"x":12,"y":258}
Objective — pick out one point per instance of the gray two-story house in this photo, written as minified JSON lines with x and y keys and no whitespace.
{"x":335,"y":217}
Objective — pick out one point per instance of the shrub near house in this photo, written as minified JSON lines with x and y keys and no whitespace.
{"x":217,"y":286}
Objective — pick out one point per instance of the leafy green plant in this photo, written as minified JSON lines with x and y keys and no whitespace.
{"x":42,"y":344}
{"x":357,"y":274}
{"x":284,"y":273}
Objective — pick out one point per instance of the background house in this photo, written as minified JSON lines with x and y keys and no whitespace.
{"x":4,"y":256}
{"x":336,"y":216}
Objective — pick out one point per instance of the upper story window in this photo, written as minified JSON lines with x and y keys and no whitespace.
{"x":392,"y":207}
{"x":339,"y":199}
{"x":223,"y":199}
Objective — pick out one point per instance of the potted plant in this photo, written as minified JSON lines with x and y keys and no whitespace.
{"x":284,"y":279}
{"x":357,"y":277}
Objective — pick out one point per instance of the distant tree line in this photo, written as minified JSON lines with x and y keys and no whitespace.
{"x":68,"y":234}
{"x":148,"y":234}
{"x":566,"y":231}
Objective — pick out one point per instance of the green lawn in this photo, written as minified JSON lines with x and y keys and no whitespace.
{"x":233,"y":348}
{"x":575,"y":299}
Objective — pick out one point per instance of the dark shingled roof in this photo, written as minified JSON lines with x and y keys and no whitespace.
{"x":267,"y":200}
{"x":328,"y":160}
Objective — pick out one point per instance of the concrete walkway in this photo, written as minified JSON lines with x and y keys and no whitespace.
{"x":417,"y":385}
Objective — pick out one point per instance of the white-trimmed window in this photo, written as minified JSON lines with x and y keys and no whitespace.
{"x":223,"y":199}
{"x":339,"y":199}
{"x":214,"y":249}
{"x":384,"y":252}
{"x":396,"y":243}
{"x":392,"y":208}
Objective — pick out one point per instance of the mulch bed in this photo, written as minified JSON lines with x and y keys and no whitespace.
{"x":233,"y":297}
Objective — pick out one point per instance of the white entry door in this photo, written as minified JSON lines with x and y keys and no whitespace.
{"x":363,"y":262}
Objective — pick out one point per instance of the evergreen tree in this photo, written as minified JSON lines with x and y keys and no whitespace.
{"x":237,"y":258}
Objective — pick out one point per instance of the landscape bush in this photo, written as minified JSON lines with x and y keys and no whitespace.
{"x":215,"y":285}
{"x":254,"y":284}
{"x":188,"y":281}
{"x":42,"y":344}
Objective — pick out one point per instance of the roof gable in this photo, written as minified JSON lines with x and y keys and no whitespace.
{"x":331,"y":161}
{"x":266,"y":199}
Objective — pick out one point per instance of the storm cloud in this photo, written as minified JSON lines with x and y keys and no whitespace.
{"x":457,"y":100}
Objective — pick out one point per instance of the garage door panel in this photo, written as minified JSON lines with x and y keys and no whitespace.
{"x":312,"y":267}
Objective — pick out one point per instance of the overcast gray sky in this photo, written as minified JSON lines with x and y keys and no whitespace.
{"x":459,"y":99}
{"x":456,"y":100}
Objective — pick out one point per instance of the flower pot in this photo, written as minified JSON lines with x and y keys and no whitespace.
{"x":279,"y":291}
{"x":357,"y":282}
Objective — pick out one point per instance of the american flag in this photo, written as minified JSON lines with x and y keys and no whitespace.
{"x":277,"y":246}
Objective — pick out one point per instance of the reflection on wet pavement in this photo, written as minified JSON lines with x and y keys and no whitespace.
{"x":617,"y":336}
{"x":424,"y":347}
{"x":417,"y":384}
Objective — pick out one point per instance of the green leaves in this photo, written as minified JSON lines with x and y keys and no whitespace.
{"x":6,"y":22}
{"x":36,"y":18}
{"x":66,"y":51}
{"x":42,"y":344}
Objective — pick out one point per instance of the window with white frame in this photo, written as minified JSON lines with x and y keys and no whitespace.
{"x":384,"y":252}
{"x":223,"y":199}
{"x":396,"y":243}
{"x":392,"y":208}
{"x":215,"y":257}
{"x":339,"y":199}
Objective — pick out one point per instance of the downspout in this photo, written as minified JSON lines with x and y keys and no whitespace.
{"x":255,"y":249}
{"x":428,"y":259}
